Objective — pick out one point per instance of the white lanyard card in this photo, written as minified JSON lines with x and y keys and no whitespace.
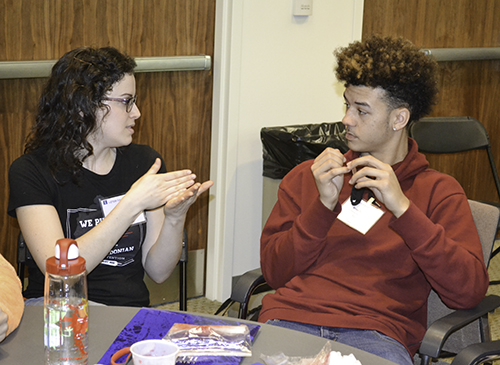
{"x":362,"y":216}
{"x":109,"y":204}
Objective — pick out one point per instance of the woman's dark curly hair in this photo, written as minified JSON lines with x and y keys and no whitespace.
{"x":408,"y":76}
{"x":67,"y":109}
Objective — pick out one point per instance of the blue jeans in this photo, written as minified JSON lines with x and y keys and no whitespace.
{"x":366,"y":340}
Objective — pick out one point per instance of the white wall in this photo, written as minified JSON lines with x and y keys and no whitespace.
{"x":270,"y":68}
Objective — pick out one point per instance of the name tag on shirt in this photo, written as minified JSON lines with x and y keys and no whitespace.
{"x":109,"y":204}
{"x":360,"y":217}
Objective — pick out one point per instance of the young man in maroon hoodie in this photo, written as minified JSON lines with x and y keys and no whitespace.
{"x":356,"y":241}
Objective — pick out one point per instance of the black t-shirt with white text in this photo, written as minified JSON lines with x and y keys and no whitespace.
{"x":118,"y":279}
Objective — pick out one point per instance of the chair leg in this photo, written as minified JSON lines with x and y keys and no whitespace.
{"x":493,"y":254}
{"x":20,"y":271}
{"x":426,"y":360}
{"x":183,"y":273}
{"x":495,"y":251}
{"x":242,"y":312}
{"x":183,"y":287}
{"x":22,"y":253}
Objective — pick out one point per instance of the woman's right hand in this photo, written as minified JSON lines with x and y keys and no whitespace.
{"x":153,"y":190}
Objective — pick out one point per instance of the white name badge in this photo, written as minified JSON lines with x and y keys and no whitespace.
{"x":109,"y":204}
{"x":361,"y":217}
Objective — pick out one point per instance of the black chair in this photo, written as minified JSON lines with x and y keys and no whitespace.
{"x":444,"y":135}
{"x":449,"y":332}
{"x":24,"y":258}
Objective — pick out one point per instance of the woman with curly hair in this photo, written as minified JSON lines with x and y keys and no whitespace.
{"x":81,"y":177}
{"x":356,"y":242}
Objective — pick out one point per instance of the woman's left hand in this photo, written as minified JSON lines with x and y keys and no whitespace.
{"x":179,"y":205}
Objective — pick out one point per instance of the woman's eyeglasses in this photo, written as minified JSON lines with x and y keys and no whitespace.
{"x":128,"y":102}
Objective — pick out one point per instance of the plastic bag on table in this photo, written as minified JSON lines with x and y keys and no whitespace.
{"x":325,"y":357}
{"x":211,"y":340}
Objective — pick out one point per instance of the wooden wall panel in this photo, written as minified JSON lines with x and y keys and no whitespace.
{"x":39,"y":29}
{"x":435,"y":23}
{"x":17,"y":111}
{"x":469,"y":88}
{"x":175,"y":106}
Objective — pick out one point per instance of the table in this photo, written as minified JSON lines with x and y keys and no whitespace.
{"x":25,"y":345}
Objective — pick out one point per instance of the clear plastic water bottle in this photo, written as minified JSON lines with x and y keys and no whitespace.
{"x":66,"y":306}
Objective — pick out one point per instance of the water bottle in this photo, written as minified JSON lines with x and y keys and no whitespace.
{"x":66,"y":306}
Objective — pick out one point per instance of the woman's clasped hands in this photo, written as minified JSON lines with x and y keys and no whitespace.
{"x":176,"y":191}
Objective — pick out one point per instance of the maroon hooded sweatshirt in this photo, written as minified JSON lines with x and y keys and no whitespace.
{"x":328,"y":274}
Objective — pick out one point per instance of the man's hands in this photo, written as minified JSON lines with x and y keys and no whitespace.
{"x":379,"y":177}
{"x":328,"y":170}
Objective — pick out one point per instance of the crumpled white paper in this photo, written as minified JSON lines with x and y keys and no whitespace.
{"x":336,"y":358}
{"x":325,"y":357}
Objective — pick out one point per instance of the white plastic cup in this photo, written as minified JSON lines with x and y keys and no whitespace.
{"x":154,"y":352}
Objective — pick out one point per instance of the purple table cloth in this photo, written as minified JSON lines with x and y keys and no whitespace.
{"x":151,"y":323}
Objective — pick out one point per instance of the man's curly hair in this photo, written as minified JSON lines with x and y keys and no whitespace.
{"x":408,"y":76}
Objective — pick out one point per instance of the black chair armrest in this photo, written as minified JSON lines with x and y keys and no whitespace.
{"x":478,"y":353}
{"x":440,"y":330}
{"x":246,"y":285}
